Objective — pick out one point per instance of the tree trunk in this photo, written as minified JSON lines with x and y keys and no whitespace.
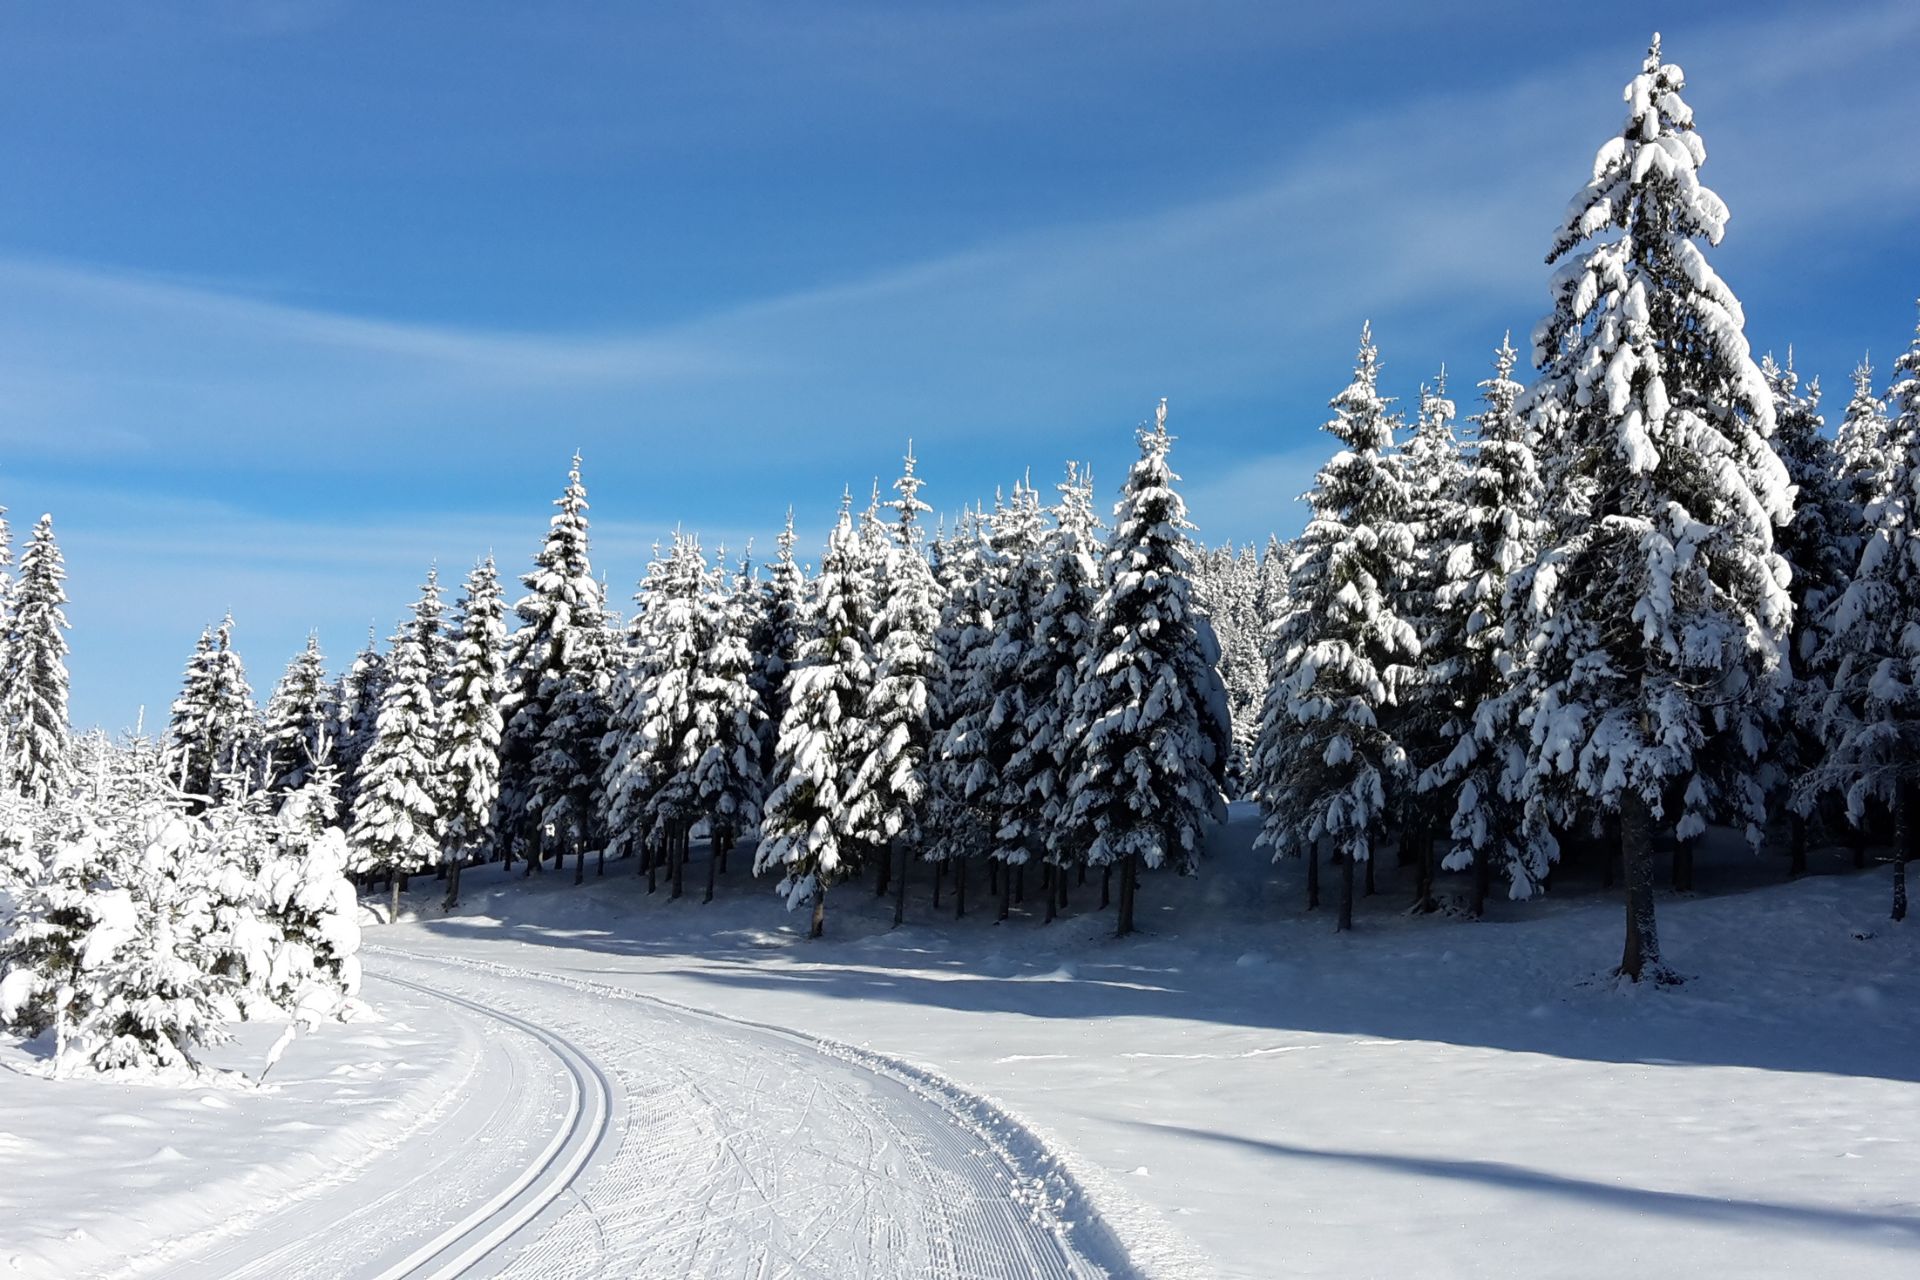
{"x":580,"y":859}
{"x":1006,"y":892}
{"x":1797,"y":844}
{"x":1313,"y":876}
{"x":453,"y":883}
{"x":1046,"y":886}
{"x":883,"y":874}
{"x":713,"y":865}
{"x":1106,"y":885}
{"x":900,"y":887}
{"x":1020,"y":884}
{"x":993,"y":876}
{"x":960,"y":889}
{"x":1641,"y":958}
{"x":1683,"y":865}
{"x":1902,"y":833}
{"x":1345,"y":922}
{"x":1858,"y":839}
{"x":1129,"y":875}
{"x":819,"y":910}
{"x":1367,"y":889}
{"x":1083,"y":873}
{"x":393,"y":912}
{"x":1060,"y":885}
{"x":652,"y":855}
{"x":679,"y":855}
{"x":1482,"y":879}
{"x":939,"y":877}
{"x":1423,"y":899}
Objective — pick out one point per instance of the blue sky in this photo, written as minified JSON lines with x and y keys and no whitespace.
{"x":299,"y":296}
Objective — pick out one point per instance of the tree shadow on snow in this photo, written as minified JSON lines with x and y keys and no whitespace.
{"x":1783,"y":983}
{"x":1719,"y":1210}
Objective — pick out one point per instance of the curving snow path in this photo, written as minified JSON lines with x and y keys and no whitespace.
{"x":594,"y":1131}
{"x":740,"y":1150}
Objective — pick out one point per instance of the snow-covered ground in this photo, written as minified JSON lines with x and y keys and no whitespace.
{"x":1239,"y":1092}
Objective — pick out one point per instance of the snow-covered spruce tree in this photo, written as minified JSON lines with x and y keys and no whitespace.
{"x":1426,"y":702}
{"x":394,"y":818}
{"x":778,"y":634}
{"x":469,"y":765}
{"x":1233,"y":608}
{"x":625,"y":780}
{"x":964,"y":778}
{"x":1866,"y":465}
{"x":33,"y":674}
{"x":544,"y":662}
{"x":312,"y":966}
{"x":359,"y":696}
{"x":1150,"y":718}
{"x":1499,"y":531}
{"x":1327,"y":769}
{"x":1062,"y":639}
{"x":1017,"y":675}
{"x":728,"y":778}
{"x":213,"y":740}
{"x":804,"y":831}
{"x":674,"y":727}
{"x":1657,"y":614}
{"x":1873,"y":711}
{"x":887,"y":797}
{"x":115,"y":947}
{"x":429,"y":623}
{"x":1825,"y":522}
{"x":572,"y":755}
{"x":302,"y":722}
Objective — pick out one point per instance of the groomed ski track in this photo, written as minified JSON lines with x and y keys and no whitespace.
{"x":676,"y":1142}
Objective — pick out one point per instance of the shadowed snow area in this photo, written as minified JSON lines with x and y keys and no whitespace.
{"x":1240,"y":1092}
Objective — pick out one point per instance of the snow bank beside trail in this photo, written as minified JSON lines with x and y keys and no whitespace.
{"x":1425,"y":1096}
{"x":106,"y":1177}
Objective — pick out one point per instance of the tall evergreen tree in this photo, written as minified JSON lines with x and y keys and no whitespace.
{"x":965,"y":776}
{"x":471,"y":725}
{"x":805,"y":831}
{"x":1020,"y":682}
{"x":886,"y":798}
{"x":1063,"y":640}
{"x":1874,"y":708}
{"x":213,"y":740}
{"x":675,"y":728}
{"x":1826,"y":523}
{"x":779,"y":633}
{"x":1427,"y":700}
{"x":1328,"y":769}
{"x":1657,"y":614}
{"x":728,"y":778}
{"x":301,"y":729}
{"x":361,"y":691}
{"x":1499,"y":531}
{"x":1150,"y":715}
{"x":395,"y":820}
{"x":1866,"y":463}
{"x":543,"y":754}
{"x":33,"y":674}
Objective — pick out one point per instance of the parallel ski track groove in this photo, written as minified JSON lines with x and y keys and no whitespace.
{"x":461,"y":1246}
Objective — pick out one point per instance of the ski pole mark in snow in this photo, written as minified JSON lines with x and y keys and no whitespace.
{"x":751,"y":1150}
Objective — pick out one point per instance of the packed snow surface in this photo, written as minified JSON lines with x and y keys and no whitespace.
{"x":591,"y":1081}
